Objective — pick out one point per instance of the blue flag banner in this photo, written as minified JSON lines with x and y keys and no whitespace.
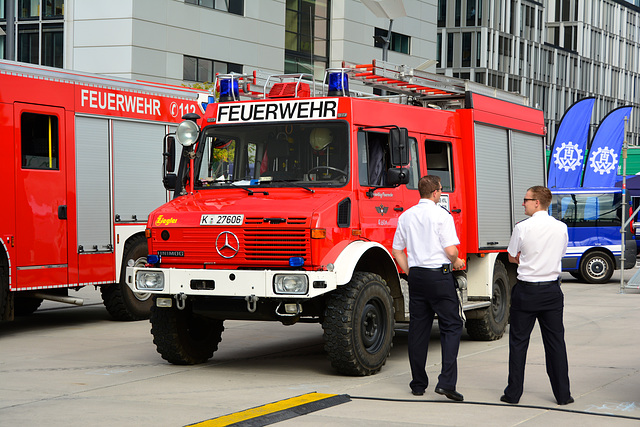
{"x":602,"y":166}
{"x":567,"y":153}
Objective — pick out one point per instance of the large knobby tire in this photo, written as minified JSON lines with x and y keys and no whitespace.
{"x":596,"y":267}
{"x":492,"y":324}
{"x":183,"y":338}
{"x":358,"y":325}
{"x":121,"y":302}
{"x":25,"y":306}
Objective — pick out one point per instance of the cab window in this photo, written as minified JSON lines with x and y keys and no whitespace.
{"x":374,"y":160}
{"x":440,"y":162}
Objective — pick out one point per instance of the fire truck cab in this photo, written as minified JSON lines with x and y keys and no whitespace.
{"x":286,"y":205}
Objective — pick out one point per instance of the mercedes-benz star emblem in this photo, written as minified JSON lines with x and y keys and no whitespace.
{"x":227,"y":244}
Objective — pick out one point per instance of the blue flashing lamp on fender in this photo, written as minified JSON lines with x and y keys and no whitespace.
{"x":338,"y":84}
{"x":229,"y":90}
{"x":296,"y":261}
{"x":153,"y":259}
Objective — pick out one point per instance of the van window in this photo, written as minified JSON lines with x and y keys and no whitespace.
{"x":587,"y":210}
{"x":39,"y":135}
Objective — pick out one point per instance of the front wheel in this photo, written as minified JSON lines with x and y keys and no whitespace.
{"x":358,"y":325}
{"x":493,"y":321}
{"x":184,"y":338}
{"x":121,"y":302}
{"x":596,"y":267}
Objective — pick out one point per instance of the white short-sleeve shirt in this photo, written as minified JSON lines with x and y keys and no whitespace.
{"x":541,"y":241}
{"x":425,"y":230}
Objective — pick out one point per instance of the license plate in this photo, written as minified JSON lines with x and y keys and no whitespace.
{"x":221,"y":219}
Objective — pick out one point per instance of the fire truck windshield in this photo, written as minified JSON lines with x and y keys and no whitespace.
{"x":308,"y":153}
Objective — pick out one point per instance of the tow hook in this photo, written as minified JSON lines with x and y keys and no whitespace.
{"x":252,"y":303}
{"x":180,"y":300}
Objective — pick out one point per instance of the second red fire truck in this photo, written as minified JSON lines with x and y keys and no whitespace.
{"x":82,"y":170}
{"x":286,"y":206}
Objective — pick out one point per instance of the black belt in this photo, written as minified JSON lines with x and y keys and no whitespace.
{"x":446,"y":268}
{"x":550,"y":282}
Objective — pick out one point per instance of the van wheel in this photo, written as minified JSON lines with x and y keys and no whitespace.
{"x":183,"y":338}
{"x":576,"y":275}
{"x":596,"y":267}
{"x":493,"y":321}
{"x":121,"y":302}
{"x":358,"y":325}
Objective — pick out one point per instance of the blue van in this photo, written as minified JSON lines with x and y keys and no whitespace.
{"x":593,"y":217}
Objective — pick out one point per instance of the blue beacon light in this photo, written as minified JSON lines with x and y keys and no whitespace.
{"x":338,"y":84}
{"x":229,"y":90}
{"x":296,"y":261}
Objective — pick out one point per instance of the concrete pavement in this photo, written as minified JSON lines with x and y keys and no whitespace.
{"x":66,"y":366}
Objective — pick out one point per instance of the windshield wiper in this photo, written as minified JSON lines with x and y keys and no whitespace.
{"x":292,"y":182}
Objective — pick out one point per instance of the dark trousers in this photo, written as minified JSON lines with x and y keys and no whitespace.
{"x":430,"y":293}
{"x":544,"y":303}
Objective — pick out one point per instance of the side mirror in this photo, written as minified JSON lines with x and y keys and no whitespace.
{"x":397,"y":176}
{"x":399,"y":144}
{"x":169,"y":154}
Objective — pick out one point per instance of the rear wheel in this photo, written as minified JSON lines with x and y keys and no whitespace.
{"x":121,"y":302}
{"x":358,"y":325}
{"x":596,"y":267}
{"x":493,"y":321}
{"x":183,"y":338}
{"x":4,"y":289}
{"x":25,"y":306}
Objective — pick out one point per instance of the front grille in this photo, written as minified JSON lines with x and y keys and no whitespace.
{"x":258,"y":246}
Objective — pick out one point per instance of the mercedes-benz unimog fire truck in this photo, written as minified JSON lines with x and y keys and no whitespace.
{"x":287,"y":203}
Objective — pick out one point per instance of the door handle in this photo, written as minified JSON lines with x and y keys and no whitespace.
{"x":398,"y":209}
{"x":62,"y":212}
{"x":456,"y":210}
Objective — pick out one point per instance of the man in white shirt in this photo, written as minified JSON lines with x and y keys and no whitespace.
{"x":428,"y":233}
{"x":537,"y":245}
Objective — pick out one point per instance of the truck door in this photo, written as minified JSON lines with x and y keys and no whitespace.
{"x":41,"y":195}
{"x":381,"y":204}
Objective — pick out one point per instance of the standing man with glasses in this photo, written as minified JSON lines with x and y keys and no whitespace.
{"x":428,"y":233}
{"x":537,"y":245}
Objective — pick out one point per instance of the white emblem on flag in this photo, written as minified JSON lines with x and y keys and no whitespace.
{"x":604,"y":160}
{"x":568,"y":156}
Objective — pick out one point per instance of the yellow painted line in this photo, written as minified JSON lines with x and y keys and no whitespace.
{"x":267,"y":409}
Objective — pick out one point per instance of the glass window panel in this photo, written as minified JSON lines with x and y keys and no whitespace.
{"x":53,"y":9}
{"x":205,"y":70}
{"x":220,"y":68}
{"x":320,"y":28}
{"x":207,"y":3}
{"x":290,"y":41}
{"x":189,"y":68}
{"x":28,"y":42}
{"x":27,"y":9}
{"x":52,"y":45}
{"x":292,"y":4}
{"x":291,"y":21}
{"x":39,"y":141}
{"x":320,"y":47}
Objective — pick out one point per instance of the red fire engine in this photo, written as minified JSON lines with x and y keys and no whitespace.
{"x":286,"y":206}
{"x":81,"y":182}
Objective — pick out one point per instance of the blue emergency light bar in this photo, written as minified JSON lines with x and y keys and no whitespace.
{"x":338,"y":84}
{"x":229,"y":90}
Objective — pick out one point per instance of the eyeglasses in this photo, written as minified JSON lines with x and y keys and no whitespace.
{"x":440,"y":189}
{"x":525,"y":200}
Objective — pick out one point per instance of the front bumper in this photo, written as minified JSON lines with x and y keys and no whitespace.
{"x":231,"y":283}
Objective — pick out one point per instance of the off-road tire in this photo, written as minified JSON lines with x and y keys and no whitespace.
{"x":596,"y":267}
{"x":492,"y":324}
{"x":25,"y":306}
{"x":358,"y":325}
{"x":183,"y":338}
{"x":121,"y":302}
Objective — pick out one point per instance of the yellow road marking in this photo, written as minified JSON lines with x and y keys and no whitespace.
{"x":269,"y":408}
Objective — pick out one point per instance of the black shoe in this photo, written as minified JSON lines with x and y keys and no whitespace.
{"x":566,"y":402}
{"x":451,"y":394}
{"x":506,"y":399}
{"x":417,"y":392}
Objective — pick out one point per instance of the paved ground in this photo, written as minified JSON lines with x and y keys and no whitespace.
{"x":67,"y":366}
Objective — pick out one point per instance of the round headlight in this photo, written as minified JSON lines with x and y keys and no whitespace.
{"x":187,"y":133}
